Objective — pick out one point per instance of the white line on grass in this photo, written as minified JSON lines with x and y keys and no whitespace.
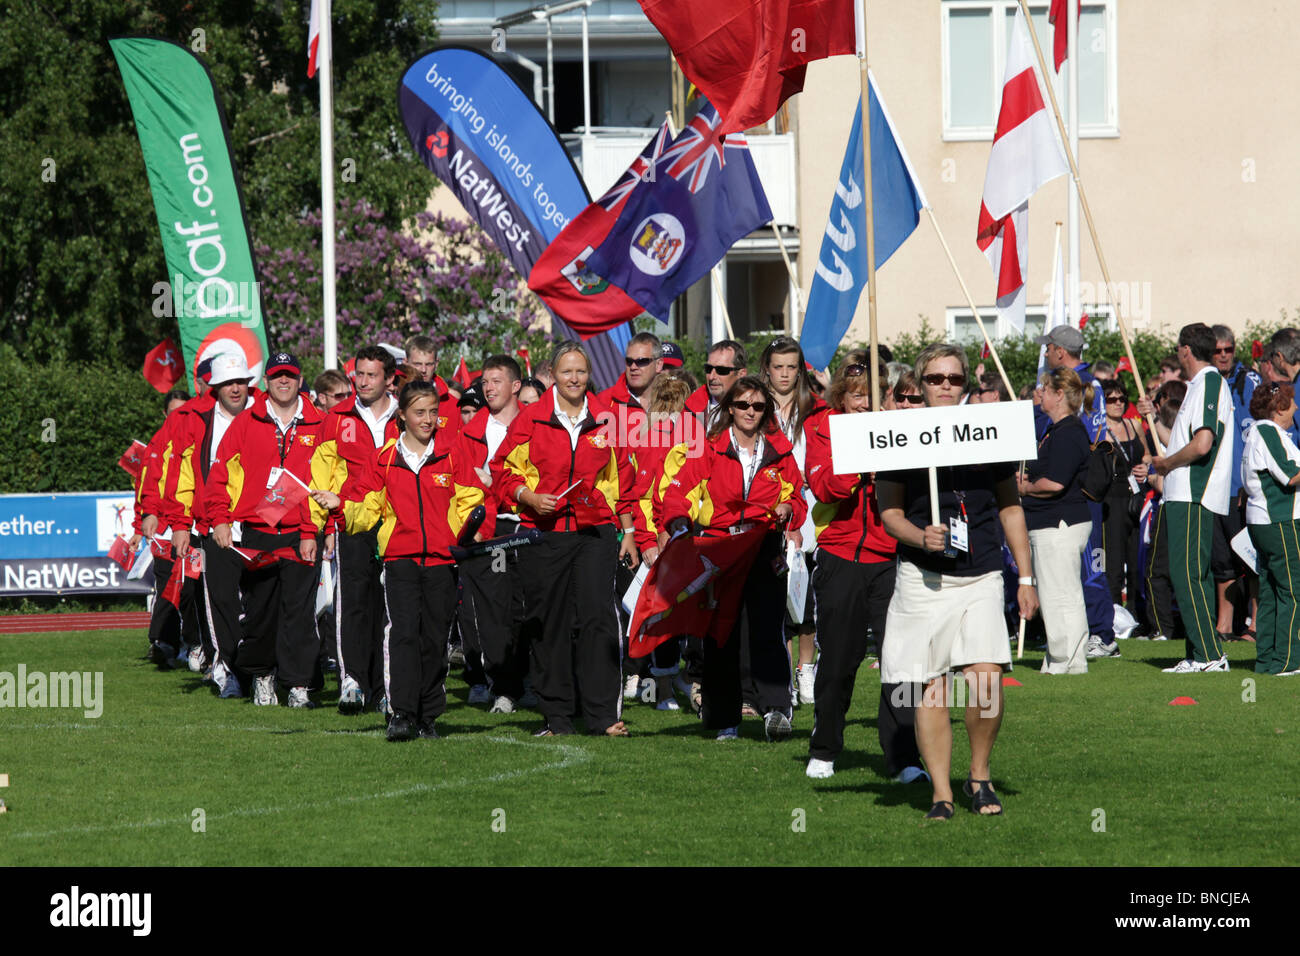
{"x":572,"y":756}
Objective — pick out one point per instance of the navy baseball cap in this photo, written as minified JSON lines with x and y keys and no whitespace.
{"x":282,"y":362}
{"x":671,"y":353}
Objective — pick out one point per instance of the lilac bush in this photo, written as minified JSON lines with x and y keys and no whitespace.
{"x":448,"y":281}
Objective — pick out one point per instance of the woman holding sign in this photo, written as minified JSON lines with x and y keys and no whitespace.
{"x":1059,"y":522}
{"x":1270,"y":471}
{"x":946,"y":612}
{"x":566,"y":471}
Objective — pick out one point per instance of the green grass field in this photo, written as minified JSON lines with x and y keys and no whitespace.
{"x":1212,"y":784}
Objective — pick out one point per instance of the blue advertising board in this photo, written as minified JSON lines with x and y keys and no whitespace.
{"x":58,"y":544}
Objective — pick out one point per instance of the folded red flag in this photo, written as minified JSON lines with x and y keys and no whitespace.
{"x":193,"y":563}
{"x":694,"y":588}
{"x":172,"y":592}
{"x":132,"y":460}
{"x":163,"y":366}
{"x":282,"y":497}
{"x":528,"y":365}
{"x":257,"y":560}
{"x":161,"y":548}
{"x":120,"y":552}
{"x":1257,"y":350}
{"x":462,"y":375}
{"x":749,"y":56}
{"x":1124,"y":366}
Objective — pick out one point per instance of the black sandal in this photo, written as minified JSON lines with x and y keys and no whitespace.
{"x":940,"y":810}
{"x":983,"y":797}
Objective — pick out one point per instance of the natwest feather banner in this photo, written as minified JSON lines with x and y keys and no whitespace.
{"x":212,"y":291}
{"x":477,"y":131}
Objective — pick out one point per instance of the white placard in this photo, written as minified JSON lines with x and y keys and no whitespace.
{"x":1245,"y":549}
{"x":930,"y":437}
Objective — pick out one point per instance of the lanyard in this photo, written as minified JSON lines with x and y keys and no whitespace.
{"x":284,"y":437}
{"x":749,"y":473}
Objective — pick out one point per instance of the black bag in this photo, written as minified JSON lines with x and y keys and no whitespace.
{"x":1099,"y":471}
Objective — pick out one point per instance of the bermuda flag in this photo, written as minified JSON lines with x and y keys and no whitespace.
{"x":749,"y":56}
{"x":589,"y":304}
{"x":313,"y":38}
{"x":1025,"y":155}
{"x":132,"y":460}
{"x":163,"y":366}
{"x":285,"y":494}
{"x":694,"y":588}
{"x":701,"y":195}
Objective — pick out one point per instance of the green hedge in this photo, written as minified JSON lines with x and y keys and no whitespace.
{"x":66,"y":425}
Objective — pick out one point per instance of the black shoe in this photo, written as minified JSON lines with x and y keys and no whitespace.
{"x":400,"y":727}
{"x":426,"y":730}
{"x":161,"y":656}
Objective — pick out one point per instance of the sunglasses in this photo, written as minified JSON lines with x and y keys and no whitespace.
{"x":935,"y":379}
{"x":720,"y":369}
{"x":1228,"y":351}
{"x":854,"y":370}
{"x":1115,"y":400}
{"x":640,"y":362}
{"x":340,"y":396}
{"x":759,"y":407}
{"x":909,"y":399}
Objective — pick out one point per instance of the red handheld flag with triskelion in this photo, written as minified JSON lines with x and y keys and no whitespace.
{"x":694,"y":588}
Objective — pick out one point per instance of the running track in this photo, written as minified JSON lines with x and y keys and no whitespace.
{"x":87,"y":621}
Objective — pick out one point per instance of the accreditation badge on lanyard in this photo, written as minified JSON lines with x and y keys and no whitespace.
{"x":958,"y":528}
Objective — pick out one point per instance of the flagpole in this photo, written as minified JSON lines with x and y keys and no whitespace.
{"x":722,"y":301}
{"x":1087,"y":214}
{"x":970,"y":301}
{"x":1072,"y":210}
{"x":325,"y":57}
{"x":868,"y":203}
{"x":794,"y":279}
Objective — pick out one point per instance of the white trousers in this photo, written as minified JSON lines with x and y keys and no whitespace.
{"x":1058,"y":556}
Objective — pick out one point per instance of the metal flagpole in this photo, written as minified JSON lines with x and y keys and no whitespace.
{"x":325,"y":64}
{"x":1072,"y":104}
{"x":868,"y":203}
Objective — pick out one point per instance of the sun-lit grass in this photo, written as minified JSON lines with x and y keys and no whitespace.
{"x":1211,"y":784}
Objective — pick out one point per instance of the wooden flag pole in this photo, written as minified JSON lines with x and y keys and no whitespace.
{"x":868,"y":204}
{"x":971,"y":302}
{"x":722,"y":301}
{"x":1087,"y":212}
{"x":794,"y":278}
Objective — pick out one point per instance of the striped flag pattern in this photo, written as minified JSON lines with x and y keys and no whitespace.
{"x":1025,"y":155}
{"x":313,"y":38}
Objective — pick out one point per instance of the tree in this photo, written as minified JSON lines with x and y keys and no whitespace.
{"x":448,"y":281}
{"x":79,"y":251}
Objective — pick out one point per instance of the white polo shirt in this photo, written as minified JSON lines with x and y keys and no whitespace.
{"x":377,"y":423}
{"x":1208,"y":481}
{"x":1268,"y":464}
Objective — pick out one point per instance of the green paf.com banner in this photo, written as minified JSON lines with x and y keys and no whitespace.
{"x":213,"y":288}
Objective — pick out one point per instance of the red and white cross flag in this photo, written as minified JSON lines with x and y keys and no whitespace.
{"x":313,"y":38}
{"x":1025,"y":155}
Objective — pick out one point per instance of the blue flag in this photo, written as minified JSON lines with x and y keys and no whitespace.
{"x":700,"y":196}
{"x":841,"y":275}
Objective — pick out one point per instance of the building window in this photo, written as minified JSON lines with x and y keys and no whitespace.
{"x":975,"y":34}
{"x":963,"y":329}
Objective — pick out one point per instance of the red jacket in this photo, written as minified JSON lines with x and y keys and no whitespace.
{"x":653,"y":446}
{"x":846,"y":515}
{"x":249,"y":450}
{"x":187,"y":451}
{"x":698,"y":403}
{"x":709,"y":489}
{"x":420,"y":515}
{"x":618,"y":394}
{"x":346,"y":451}
{"x":537,"y":454}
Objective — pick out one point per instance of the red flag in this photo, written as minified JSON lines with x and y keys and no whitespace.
{"x":132,"y":460}
{"x":586,"y":302}
{"x":193,"y":563}
{"x":163,"y":366}
{"x":1058,"y":16}
{"x":694,"y":588}
{"x":1125,"y":366}
{"x":749,"y":56}
{"x":313,"y":39}
{"x":256,"y":560}
{"x":1083,"y":320}
{"x":985,"y":352}
{"x":1256,"y":350}
{"x":172,"y":592}
{"x":283,"y":496}
{"x":528,"y":365}
{"x":161,"y":548}
{"x":462,"y":376}
{"x":120,"y":551}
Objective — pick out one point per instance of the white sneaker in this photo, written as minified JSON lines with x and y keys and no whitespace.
{"x":820,"y":769}
{"x":1291,"y":673}
{"x":298,"y":698}
{"x":911,"y":775}
{"x":1195,"y":667}
{"x":479,"y":694}
{"x":264,"y":691}
{"x":631,"y":687}
{"x":502,"y":705}
{"x":1220,"y":665}
{"x":351,"y":700}
{"x":195,"y":659}
{"x":1097,"y":649}
{"x":729,"y":733}
{"x":668,"y":703}
{"x":805,"y":676}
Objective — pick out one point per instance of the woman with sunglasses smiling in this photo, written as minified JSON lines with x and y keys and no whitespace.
{"x":745,"y":480}
{"x":946,"y":612}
